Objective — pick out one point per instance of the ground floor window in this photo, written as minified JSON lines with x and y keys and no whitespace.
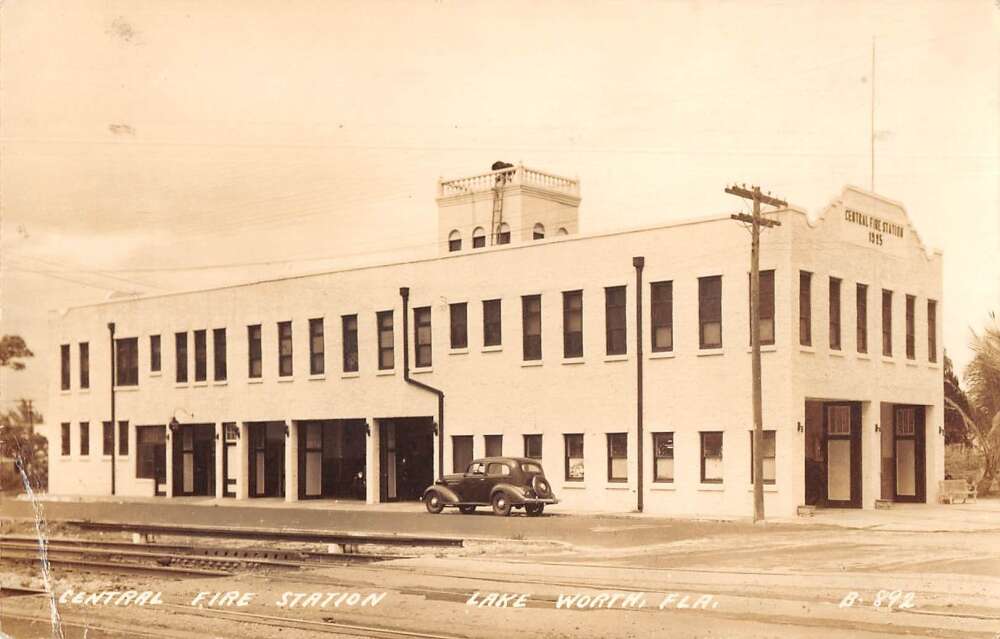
{"x":123,"y":438}
{"x":107,"y":439}
{"x":461,"y":453}
{"x":711,"y":457}
{"x":151,"y":445}
{"x":663,"y":457}
{"x":64,"y":442}
{"x":84,"y":438}
{"x":768,"y":454}
{"x":617,"y":456}
{"x":533,"y":446}
{"x":494,"y":445}
{"x":574,"y":457}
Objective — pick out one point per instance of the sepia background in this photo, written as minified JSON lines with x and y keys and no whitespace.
{"x":157,"y":146}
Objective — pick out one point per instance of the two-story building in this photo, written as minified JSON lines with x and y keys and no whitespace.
{"x":523,"y":337}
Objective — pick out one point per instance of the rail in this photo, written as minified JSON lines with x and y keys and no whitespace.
{"x":513,"y":176}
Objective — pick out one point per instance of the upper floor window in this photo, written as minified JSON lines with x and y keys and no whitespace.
{"x":861,"y":305}
{"x":805,"y":308}
{"x":572,"y":324}
{"x":911,"y":346}
{"x":562,"y":231}
{"x":503,"y":234}
{"x":200,"y":355}
{"x":386,"y":354}
{"x":932,"y":330}
{"x":64,"y":366}
{"x":350,"y":338}
{"x":317,"y":347}
{"x":422,"y":336}
{"x":181,"y":352}
{"x":254,"y":352}
{"x":454,"y":241}
{"x":459,"y":316}
{"x":127,"y":361}
{"x":531,"y":320}
{"x":284,"y":349}
{"x":219,"y":354}
{"x":835,"y":313}
{"x":84,"y":365}
{"x":766,"y":305}
{"x":154,"y":353}
{"x":662,"y":306}
{"x":886,"y":323}
{"x":492,"y":326}
{"x":710,"y":311}
{"x":614,"y":320}
{"x":538,"y":233}
{"x":478,"y":237}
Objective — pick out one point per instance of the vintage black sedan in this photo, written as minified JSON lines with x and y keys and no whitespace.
{"x":501,"y":482}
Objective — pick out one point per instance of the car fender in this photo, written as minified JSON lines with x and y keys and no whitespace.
{"x":448,"y":496}
{"x":514,"y":493}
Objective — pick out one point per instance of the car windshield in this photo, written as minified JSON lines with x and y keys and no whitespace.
{"x":531,"y":467}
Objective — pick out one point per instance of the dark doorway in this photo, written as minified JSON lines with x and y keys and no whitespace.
{"x":230,"y":461}
{"x":908,"y":453}
{"x":151,"y":448}
{"x":266,"y":448}
{"x":406,"y":450}
{"x":194,"y":459}
{"x":332,"y":459}
{"x":833,"y":454}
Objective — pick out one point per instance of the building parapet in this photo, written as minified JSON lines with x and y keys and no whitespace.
{"x":518,"y":175}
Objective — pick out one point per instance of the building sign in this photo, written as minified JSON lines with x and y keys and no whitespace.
{"x":877,"y":228}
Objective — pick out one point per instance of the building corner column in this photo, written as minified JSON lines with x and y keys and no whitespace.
{"x":372,"y":461}
{"x":170,"y":461}
{"x":243,"y":461}
{"x":292,"y":461}
{"x":220,"y":450}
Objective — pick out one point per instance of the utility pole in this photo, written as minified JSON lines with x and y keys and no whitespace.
{"x":756,"y":221}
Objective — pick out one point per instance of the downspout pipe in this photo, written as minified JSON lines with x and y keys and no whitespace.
{"x":638,"y":262}
{"x":114,"y":440}
{"x":404,"y":292}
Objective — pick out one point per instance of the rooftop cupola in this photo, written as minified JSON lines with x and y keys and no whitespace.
{"x":508,"y":204}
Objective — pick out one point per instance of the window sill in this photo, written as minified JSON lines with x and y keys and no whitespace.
{"x":220,"y":382}
{"x":934,"y":365}
{"x":768,"y":488}
{"x":350,"y":375}
{"x":492,"y":349}
{"x":573,"y":360}
{"x":888,"y":360}
{"x":911,"y":363}
{"x":82,"y":458}
{"x":617,"y":486}
{"x":84,"y":391}
{"x":616,"y":358}
{"x":765,"y":348}
{"x":425,"y":369}
{"x":574,"y":485}
{"x":531,"y":362}
{"x":126,"y":389}
{"x":255,"y":380}
{"x":712,"y":488}
{"x":156,"y":373}
{"x":710,"y":352}
{"x":65,"y":391}
{"x":806,"y":349}
{"x":385,"y":372}
{"x":180,"y":385}
{"x":836,"y":353}
{"x":199,"y":384}
{"x":318,"y":377}
{"x":285,"y":380}
{"x":663,"y":485}
{"x":661,"y":354}
{"x":864,"y":356}
{"x":458,"y":351}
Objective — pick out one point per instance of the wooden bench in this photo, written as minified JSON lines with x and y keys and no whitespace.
{"x":952,"y":489}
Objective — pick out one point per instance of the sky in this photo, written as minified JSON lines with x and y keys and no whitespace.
{"x":156,"y":146}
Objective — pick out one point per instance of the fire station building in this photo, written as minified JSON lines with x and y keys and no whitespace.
{"x":620,"y":360}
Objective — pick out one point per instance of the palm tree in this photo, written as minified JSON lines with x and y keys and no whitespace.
{"x":982,"y":417}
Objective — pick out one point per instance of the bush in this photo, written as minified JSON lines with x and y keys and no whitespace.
{"x":961,"y":462}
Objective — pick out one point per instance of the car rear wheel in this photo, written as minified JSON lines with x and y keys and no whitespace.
{"x":501,"y":504}
{"x":433,"y":503}
{"x":534,"y":510}
{"x":467,"y":510}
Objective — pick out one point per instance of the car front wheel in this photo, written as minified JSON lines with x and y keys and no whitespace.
{"x":501,"y":504}
{"x":534,"y":510}
{"x":434,"y":503}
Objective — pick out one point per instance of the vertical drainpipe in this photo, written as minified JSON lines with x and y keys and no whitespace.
{"x":114,"y":443}
{"x":638,"y":263}
{"x":404,"y":292}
